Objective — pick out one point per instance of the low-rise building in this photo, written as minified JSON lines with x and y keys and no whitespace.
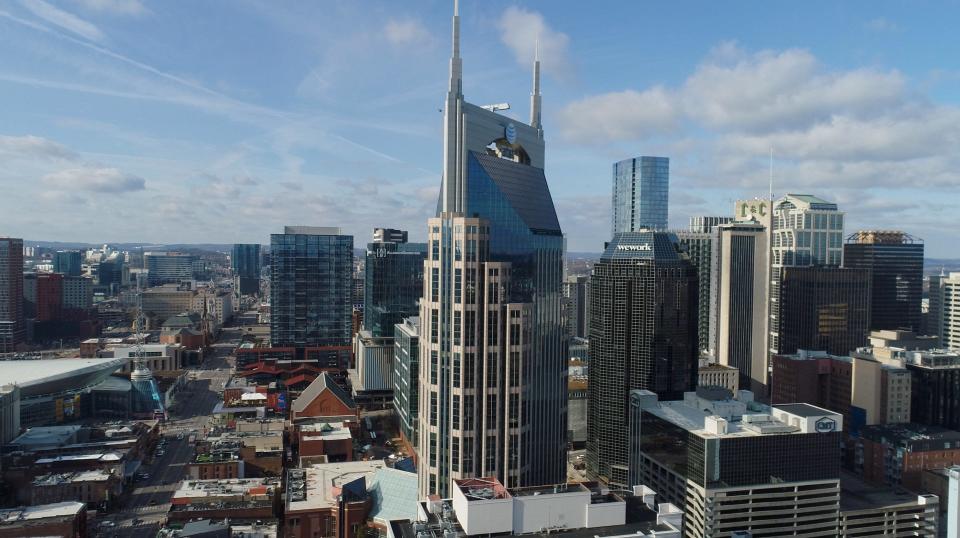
{"x":96,"y":489}
{"x":329,"y":499}
{"x":67,"y":519}
{"x":898,"y":454}
{"x":331,"y":440}
{"x":240,"y":498}
{"x":324,"y":399}
{"x":483,"y":506}
{"x":216,"y":465}
{"x":713,"y":374}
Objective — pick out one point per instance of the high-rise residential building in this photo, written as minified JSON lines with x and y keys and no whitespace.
{"x":738,"y":301}
{"x":643,"y":335}
{"x":492,"y":366}
{"x":406,"y":376}
{"x":393,"y":281}
{"x":310,"y":287}
{"x":641,"y":188}
{"x":737,"y":467}
{"x":245,"y":262}
{"x":698,"y":242}
{"x":68,"y":262}
{"x":169,"y":267}
{"x":11,"y":294}
{"x":77,"y":293}
{"x":806,"y":231}
{"x":576,"y":305}
{"x":895,"y":261}
{"x":823,"y":308}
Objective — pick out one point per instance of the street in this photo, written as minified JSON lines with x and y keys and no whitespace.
{"x":148,"y":502}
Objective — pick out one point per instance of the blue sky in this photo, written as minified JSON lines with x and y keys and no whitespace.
{"x":208,"y":121}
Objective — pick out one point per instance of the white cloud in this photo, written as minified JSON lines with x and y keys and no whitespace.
{"x":64,"y":20}
{"x":622,"y":115}
{"x":775,"y":90}
{"x":405,"y":31}
{"x":133,"y":8}
{"x":520,"y":29}
{"x":94,"y":179}
{"x":34,"y":147}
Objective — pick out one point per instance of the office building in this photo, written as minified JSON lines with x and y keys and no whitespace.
{"x":823,"y":308}
{"x":944,"y":315}
{"x":895,"y":261}
{"x":169,"y":267}
{"x":712,"y":374}
{"x":643,"y":335}
{"x":311,"y":287}
{"x":393,"y":281}
{"x":68,"y":262}
{"x":641,"y":188}
{"x":11,"y":294}
{"x":698,"y":242}
{"x":372,"y":378}
{"x":49,"y":297}
{"x":738,"y":302}
{"x":389,"y":235}
{"x":732,"y":464}
{"x":245,"y":262}
{"x":576,"y":305}
{"x":492,"y":360}
{"x":9,"y":413}
{"x":806,"y":231}
{"x":406,"y":374}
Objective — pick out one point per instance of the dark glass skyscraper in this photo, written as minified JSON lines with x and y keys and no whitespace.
{"x":643,"y":335}
{"x":641,"y":188}
{"x":895,"y":261}
{"x":68,"y":262}
{"x":11,"y":294}
{"x":698,"y":242}
{"x":169,"y":267}
{"x":824,"y":309}
{"x":393,"y":282}
{"x":311,"y":287}
{"x":245,"y":263}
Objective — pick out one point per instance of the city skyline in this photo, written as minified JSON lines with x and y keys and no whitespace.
{"x":105,"y":115}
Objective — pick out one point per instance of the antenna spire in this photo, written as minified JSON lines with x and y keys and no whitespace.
{"x":535,"y":95}
{"x":456,"y":64}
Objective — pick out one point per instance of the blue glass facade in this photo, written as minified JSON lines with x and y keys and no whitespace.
{"x":393,"y":283}
{"x":525,"y":231}
{"x":245,"y":260}
{"x":68,"y":262}
{"x":641,"y":189}
{"x":311,"y":290}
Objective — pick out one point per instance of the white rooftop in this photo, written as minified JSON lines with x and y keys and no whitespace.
{"x":327,"y":431}
{"x":43,"y":511}
{"x":323,"y":482}
{"x":43,"y":376}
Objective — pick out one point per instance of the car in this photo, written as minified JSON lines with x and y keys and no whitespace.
{"x":108,"y":524}
{"x":180,"y":435}
{"x":160,"y":452}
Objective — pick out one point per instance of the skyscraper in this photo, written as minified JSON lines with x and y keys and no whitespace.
{"x":245,"y":262}
{"x":492,"y":367}
{"x":393,"y":281}
{"x":895,"y":261}
{"x":641,"y":189}
{"x":738,"y":305}
{"x":310,"y":287}
{"x":698,"y":241}
{"x":643,"y":335}
{"x":945,"y":307}
{"x":824,"y":309}
{"x":68,"y":262}
{"x":576,"y":305}
{"x":169,"y":267}
{"x":806,"y":231}
{"x":11,"y":294}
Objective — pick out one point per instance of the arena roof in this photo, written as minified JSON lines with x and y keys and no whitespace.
{"x":54,"y":376}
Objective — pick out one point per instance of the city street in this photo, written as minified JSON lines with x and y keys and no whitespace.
{"x":147,"y":504}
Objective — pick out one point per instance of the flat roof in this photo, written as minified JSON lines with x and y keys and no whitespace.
{"x":321,"y":482}
{"x":802,"y":410}
{"x":43,"y":511}
{"x":856,"y":494}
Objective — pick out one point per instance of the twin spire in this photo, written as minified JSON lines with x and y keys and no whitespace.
{"x":456,"y":70}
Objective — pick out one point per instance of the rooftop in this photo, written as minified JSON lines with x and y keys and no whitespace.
{"x":54,"y":479}
{"x":10,"y":516}
{"x":914,"y":437}
{"x":327,"y":431}
{"x":38,"y":377}
{"x":318,"y":486}
{"x":855,"y":494}
{"x":235,"y":488}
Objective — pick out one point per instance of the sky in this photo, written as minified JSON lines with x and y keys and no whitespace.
{"x":223,"y":121}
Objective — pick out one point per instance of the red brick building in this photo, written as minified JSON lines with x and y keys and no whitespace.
{"x":898,"y":454}
{"x":325,"y":399}
{"x":66,"y":519}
